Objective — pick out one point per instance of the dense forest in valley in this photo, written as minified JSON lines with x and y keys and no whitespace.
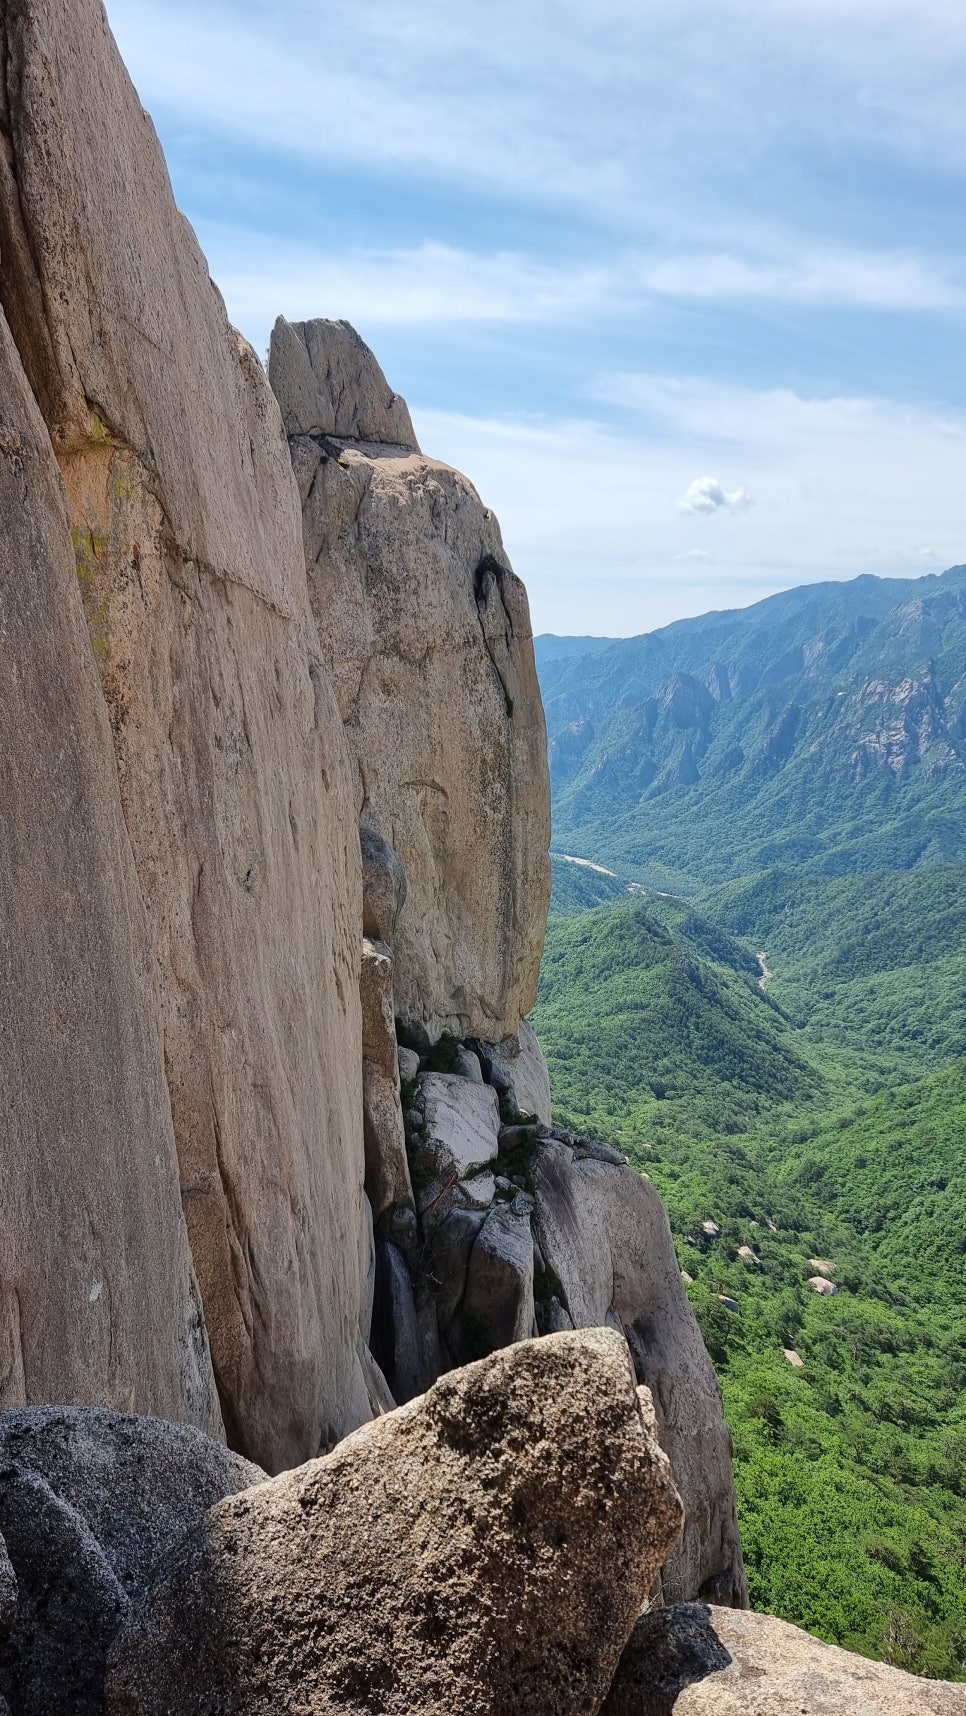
{"x":783,"y":1050}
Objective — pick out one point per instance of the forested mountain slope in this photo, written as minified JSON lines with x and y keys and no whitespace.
{"x":822,"y":729}
{"x":787,"y":1155}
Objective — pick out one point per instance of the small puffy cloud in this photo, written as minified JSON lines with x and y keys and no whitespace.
{"x":706,"y":495}
{"x":694,"y":554}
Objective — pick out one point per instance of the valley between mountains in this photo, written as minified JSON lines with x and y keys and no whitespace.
{"x":755,"y":983}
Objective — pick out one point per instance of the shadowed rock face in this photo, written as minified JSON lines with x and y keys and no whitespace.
{"x":485,"y":1549}
{"x":227,"y":747}
{"x":427,"y":633}
{"x":89,"y":1501}
{"x":669,"y":1650}
{"x":98,"y":1298}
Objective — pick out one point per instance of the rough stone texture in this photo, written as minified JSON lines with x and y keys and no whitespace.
{"x":331,"y":384}
{"x":8,"y":1593}
{"x":81,"y":1067}
{"x":485,"y":1549}
{"x":462,"y":1122}
{"x":497,"y":1306}
{"x":450,"y":1242}
{"x":468,"y":1065}
{"x":420,"y":615}
{"x":669,"y":1649}
{"x":383,"y":886}
{"x":89,"y":1502}
{"x":230,"y":754}
{"x":603,"y":1232}
{"x":518,"y":1071}
{"x":778,"y":1670}
{"x":387,"y":1166}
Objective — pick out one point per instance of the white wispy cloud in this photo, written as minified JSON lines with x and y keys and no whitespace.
{"x":706,"y":496}
{"x":866,"y":279}
{"x":558,"y":100}
{"x":429,"y":283}
{"x":435,"y":283}
{"x":842,"y":486}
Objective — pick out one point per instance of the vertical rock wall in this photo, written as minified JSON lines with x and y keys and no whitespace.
{"x":229,"y":750}
{"x":98,"y":1298}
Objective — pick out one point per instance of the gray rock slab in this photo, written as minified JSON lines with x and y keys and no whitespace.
{"x":383,"y":885}
{"x":330,"y":383}
{"x":517,"y":1068}
{"x":462,"y":1122}
{"x":89,"y":1502}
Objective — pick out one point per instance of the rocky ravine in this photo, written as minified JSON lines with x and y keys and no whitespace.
{"x":276,"y":1142}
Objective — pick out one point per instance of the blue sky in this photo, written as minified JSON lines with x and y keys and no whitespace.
{"x":680,"y":284}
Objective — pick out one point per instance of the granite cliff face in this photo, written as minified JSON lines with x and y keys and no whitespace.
{"x":419,"y":611}
{"x":275,"y":779}
{"x":90,"y":1212}
{"x":233,"y":776}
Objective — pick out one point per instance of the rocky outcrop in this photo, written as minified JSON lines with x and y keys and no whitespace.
{"x":427,"y":633}
{"x":200,"y":1050}
{"x":778,"y":1670}
{"x":91,"y":1230}
{"x":330,"y":384}
{"x":522,"y":1230}
{"x":89,"y":1502}
{"x":609,"y":1258}
{"x":234,"y":778}
{"x":518,"y":1072}
{"x":484,"y":1549}
{"x":388,"y":1185}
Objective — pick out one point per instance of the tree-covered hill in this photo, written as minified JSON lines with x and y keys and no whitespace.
{"x":851,"y":1455}
{"x":823,"y":730}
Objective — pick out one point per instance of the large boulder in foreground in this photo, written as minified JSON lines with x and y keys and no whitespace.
{"x":427,"y":633}
{"x":778,"y":1670}
{"x":89,"y":1502}
{"x":485,"y":1549}
{"x":232,"y":767}
{"x":609,"y":1256}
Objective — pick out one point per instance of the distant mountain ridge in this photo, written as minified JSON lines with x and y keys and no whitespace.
{"x":549,"y":647}
{"x":823,"y":728}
